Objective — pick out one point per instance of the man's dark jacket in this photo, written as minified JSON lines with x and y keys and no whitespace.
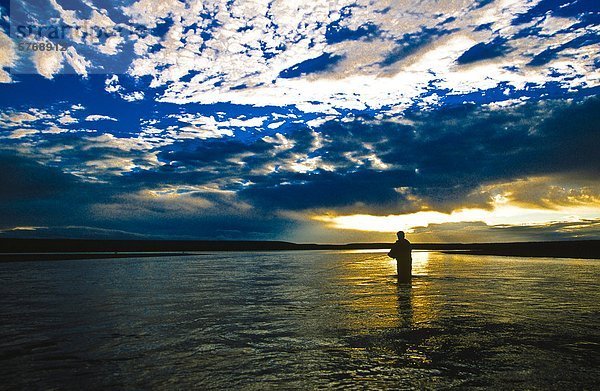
{"x":401,"y":250}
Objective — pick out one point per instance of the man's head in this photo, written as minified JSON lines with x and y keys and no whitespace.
{"x":400,"y":234}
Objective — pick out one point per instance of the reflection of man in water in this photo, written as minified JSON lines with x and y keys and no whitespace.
{"x":401,"y":250}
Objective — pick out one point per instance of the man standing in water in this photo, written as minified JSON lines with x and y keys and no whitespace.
{"x":401,"y":250}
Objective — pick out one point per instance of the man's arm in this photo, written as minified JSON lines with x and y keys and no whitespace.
{"x":393,"y":252}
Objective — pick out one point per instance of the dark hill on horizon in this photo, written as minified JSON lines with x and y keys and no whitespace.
{"x":32,"y":249}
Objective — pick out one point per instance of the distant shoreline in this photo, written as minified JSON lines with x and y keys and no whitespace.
{"x":18,"y":250}
{"x":67,"y":256}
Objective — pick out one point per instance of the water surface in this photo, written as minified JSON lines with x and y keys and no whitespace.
{"x":300,"y":320}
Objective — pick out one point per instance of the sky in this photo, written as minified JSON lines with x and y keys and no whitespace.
{"x":324,"y":121}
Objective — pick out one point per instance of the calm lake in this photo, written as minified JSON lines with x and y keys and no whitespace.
{"x":302,"y":320}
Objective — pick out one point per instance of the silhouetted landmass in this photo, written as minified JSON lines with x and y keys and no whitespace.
{"x":27,"y":257}
{"x":589,"y":249}
{"x":55,"y":249}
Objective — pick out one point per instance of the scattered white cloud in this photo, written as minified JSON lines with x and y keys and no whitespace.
{"x":203,"y":133}
{"x":56,"y":130}
{"x":21,"y":133}
{"x":67,"y":118}
{"x":243,"y":122}
{"x":204,"y":127}
{"x":383,"y":56}
{"x":133,"y":96}
{"x":19,"y":118}
{"x":111,"y":46}
{"x":229,"y":57}
{"x":275,"y":125}
{"x":8,"y":57}
{"x":97,"y":117}
{"x":281,"y":142}
{"x":77,"y":62}
{"x":111,"y":84}
{"x":48,"y":63}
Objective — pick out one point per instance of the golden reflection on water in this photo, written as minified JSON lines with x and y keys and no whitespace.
{"x":420,"y":263}
{"x":376,"y":297}
{"x":366,"y":251}
{"x":416,"y":302}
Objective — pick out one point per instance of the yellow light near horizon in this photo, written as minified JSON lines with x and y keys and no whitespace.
{"x":501,"y":215}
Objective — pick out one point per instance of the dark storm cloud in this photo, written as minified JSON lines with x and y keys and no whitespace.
{"x":364,"y":191}
{"x":34,"y":194}
{"x":569,"y":141}
{"x":442,"y":157}
{"x":229,"y":189}
{"x":339,"y":182}
{"x":62,"y":205}
{"x":23,"y":178}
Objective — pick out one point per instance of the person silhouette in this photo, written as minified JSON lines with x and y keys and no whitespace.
{"x":401,"y":251}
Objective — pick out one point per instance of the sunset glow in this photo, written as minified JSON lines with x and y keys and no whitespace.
{"x":502,"y":215}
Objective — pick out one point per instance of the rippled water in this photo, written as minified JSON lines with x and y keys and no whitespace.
{"x":300,"y":320}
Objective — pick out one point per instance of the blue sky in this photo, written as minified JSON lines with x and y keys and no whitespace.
{"x":331,"y":121}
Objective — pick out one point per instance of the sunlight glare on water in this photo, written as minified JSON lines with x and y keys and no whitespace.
{"x":301,"y":320}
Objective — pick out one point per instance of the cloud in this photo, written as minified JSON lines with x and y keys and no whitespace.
{"x":355,"y":55}
{"x":48,"y":63}
{"x":77,"y":62}
{"x":21,"y":133}
{"x":503,"y":214}
{"x":344,"y":55}
{"x":133,"y":96}
{"x":549,"y":192}
{"x":58,"y":204}
{"x":67,"y":118}
{"x":111,"y":85}
{"x":8,"y":57}
{"x":480,"y":232}
{"x":434,"y":158}
{"x":367,"y":165}
{"x":24,"y":179}
{"x":469,"y":158}
{"x":71,"y":232}
{"x":98,"y":117}
{"x":19,"y":118}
